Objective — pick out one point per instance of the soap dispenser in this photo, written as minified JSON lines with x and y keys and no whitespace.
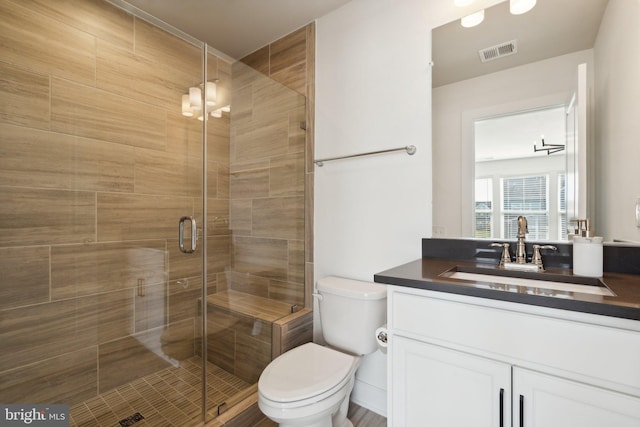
{"x":587,"y":251}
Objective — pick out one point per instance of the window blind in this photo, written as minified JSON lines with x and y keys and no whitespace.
{"x":562,"y":204}
{"x":527,"y":196}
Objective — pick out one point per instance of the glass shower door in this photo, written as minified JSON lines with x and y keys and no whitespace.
{"x":99,"y":308}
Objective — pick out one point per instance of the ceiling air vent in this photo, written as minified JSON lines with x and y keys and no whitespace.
{"x":498,"y":51}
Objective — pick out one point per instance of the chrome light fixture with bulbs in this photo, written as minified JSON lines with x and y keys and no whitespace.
{"x":192,"y":103}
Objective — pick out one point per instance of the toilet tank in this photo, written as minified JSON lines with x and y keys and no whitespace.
{"x":350,"y":313}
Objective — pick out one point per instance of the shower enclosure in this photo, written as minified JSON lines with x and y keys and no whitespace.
{"x":101,"y":306}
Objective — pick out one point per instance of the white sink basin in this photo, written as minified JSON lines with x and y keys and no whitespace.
{"x":531,"y":283}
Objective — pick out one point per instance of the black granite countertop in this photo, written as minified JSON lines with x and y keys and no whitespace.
{"x":426,"y":273}
{"x":621,"y":276}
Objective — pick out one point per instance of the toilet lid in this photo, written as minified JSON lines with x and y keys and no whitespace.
{"x":305,"y":371}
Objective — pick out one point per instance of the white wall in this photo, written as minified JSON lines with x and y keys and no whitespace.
{"x":617,"y":62}
{"x":514,"y":89}
{"x":372,"y":84}
{"x":373,"y":91}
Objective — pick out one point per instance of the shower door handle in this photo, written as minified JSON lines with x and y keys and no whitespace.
{"x":194,"y":235}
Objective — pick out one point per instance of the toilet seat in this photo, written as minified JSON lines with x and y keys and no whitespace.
{"x":306,"y":374}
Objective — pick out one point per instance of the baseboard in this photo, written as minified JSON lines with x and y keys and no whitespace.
{"x":370,"y":397}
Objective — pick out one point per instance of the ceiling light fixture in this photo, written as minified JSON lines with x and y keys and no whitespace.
{"x":549,"y":148}
{"x":192,"y":102}
{"x":473,"y":19}
{"x":518,"y":7}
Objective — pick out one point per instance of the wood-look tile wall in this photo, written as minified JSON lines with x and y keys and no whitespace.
{"x":271,"y":172}
{"x":96,"y":167}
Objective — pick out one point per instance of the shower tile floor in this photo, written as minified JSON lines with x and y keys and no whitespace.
{"x":170,"y":397}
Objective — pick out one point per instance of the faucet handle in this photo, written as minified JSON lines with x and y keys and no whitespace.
{"x":505,"y":257}
{"x":537,"y":257}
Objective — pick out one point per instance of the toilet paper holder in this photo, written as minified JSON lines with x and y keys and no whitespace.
{"x":382,"y":336}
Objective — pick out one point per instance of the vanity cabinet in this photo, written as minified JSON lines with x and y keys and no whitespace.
{"x":545,"y":400}
{"x":465,"y":361}
{"x":436,"y":386}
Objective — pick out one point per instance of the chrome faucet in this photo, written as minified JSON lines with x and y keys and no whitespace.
{"x":523,"y":230}
{"x":521,"y":252}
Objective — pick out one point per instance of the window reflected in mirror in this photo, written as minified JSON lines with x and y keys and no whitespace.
{"x":520,"y":169}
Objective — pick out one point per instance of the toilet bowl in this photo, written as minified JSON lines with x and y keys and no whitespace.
{"x":310,"y":385}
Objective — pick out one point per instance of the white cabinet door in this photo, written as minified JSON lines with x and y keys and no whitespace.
{"x":437,"y":387}
{"x":541,"y":400}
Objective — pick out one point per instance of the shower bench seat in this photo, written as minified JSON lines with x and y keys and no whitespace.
{"x":250,"y":305}
{"x":286,"y":329}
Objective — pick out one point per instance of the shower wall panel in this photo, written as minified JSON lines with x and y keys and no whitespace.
{"x":269,"y":206}
{"x":267,"y":187}
{"x":291,"y":62}
{"x":267,"y":177}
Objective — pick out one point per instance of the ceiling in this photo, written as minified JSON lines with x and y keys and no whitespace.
{"x":513,"y":136}
{"x":237,"y":27}
{"x":551,"y":28}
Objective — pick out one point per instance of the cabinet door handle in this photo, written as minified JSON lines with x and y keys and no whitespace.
{"x":501,"y":407}
{"x":521,"y":411}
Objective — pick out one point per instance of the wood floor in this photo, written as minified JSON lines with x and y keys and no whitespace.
{"x":359,"y":416}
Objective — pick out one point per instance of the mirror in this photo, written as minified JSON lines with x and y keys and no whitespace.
{"x":543,"y":72}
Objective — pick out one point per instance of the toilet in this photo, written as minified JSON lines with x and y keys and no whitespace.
{"x":310,"y":385}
